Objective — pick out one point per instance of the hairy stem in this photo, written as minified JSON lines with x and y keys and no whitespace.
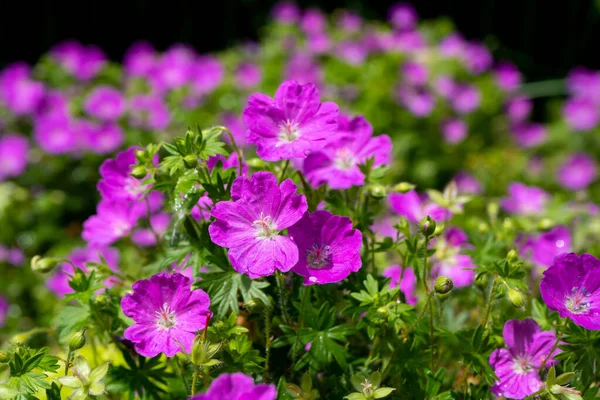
{"x":267,"y":339}
{"x":235,"y":147}
{"x":559,"y":332}
{"x":284,"y":170}
{"x":429,"y":302}
{"x":279,"y":279}
{"x":305,"y":299}
{"x":194,"y":380}
{"x":489,"y":302}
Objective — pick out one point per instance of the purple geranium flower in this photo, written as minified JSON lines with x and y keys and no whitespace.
{"x":313,"y":21}
{"x":304,"y":69}
{"x":404,"y":279}
{"x":18,"y":91}
{"x":105,"y":103}
{"x":237,"y":386}
{"x":577,"y":172}
{"x":414,"y":207}
{"x":448,"y":258}
{"x":525,"y":200}
{"x":139,"y":59}
{"x":250,"y":225}
{"x":547,"y":245}
{"x":403,"y":16}
{"x":418,"y":101}
{"x":248,"y":75}
{"x":508,"y":77}
{"x":477,"y":57}
{"x":286,"y":12}
{"x":292,"y":125}
{"x":102,"y":139}
{"x":584,"y":83}
{"x":452,"y":45}
{"x":414,"y":73}
{"x":353,"y":52}
{"x":329,"y":248}
{"x":208,"y":73}
{"x":56,"y":134}
{"x":467,"y":183}
{"x":235,"y":124}
{"x":83,"y":62}
{"x":581,"y":114}
{"x":173,"y":69}
{"x":518,"y":108}
{"x":571,"y":286}
{"x":337,"y":163}
{"x":454,"y":130}
{"x":117,"y":184}
{"x":149,"y":112}
{"x":14,"y":155}
{"x":465,"y":98}
{"x":517,"y":366}
{"x":349,"y":21}
{"x":167,"y":314}
{"x":159,"y":224}
{"x":112,"y":221}
{"x":4,"y":311}
{"x":528,"y":134}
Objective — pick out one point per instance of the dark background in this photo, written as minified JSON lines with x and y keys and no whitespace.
{"x":544,"y":38}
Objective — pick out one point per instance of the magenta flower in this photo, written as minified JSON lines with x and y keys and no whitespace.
{"x":404,"y":279}
{"x":235,"y":124}
{"x":250,"y":225}
{"x":581,"y":114}
{"x":418,"y":101}
{"x":318,"y":43}
{"x":14,"y":155}
{"x":105,"y":103}
{"x":117,"y":184}
{"x":207,"y":75}
{"x":577,"y":172}
{"x":303,"y":69}
{"x":112,"y":221}
{"x":18,"y":91}
{"x":292,"y":125}
{"x":517,"y":366}
{"x":450,"y":260}
{"x":465,"y":99}
{"x":518,"y":108}
{"x":173,"y":69}
{"x":467,"y":183}
{"x":408,"y":41}
{"x":148,"y":112}
{"x":201,"y":210}
{"x":139,"y":59}
{"x":167,"y":314}
{"x":508,"y":77}
{"x":353,"y":52}
{"x":4,"y":312}
{"x":328,"y":246}
{"x":477,"y":57}
{"x":231,"y":161}
{"x":286,"y":12}
{"x":313,"y":21}
{"x":571,"y":286}
{"x":452,"y":46}
{"x":454,"y":131}
{"x":83,"y":62}
{"x":403,"y":16}
{"x":529,"y":135}
{"x":54,"y":104}
{"x":56,"y":134}
{"x":159,"y":224}
{"x":414,"y":73}
{"x":445,"y":86}
{"x":337,"y":163}
{"x":414,"y":207}
{"x":349,"y":21}
{"x":584,"y":83}
{"x":102,"y":139}
{"x":543,"y":248}
{"x":237,"y":386}
{"x":525,"y":200}
{"x":248,"y":75}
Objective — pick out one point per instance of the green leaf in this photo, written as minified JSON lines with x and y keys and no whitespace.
{"x":382,"y":392}
{"x":356,"y":396}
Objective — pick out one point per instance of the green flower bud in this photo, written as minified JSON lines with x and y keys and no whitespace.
{"x":443,"y":284}
{"x":492,"y":210}
{"x":255,"y":305}
{"x":190,"y":161}
{"x":77,"y":341}
{"x":508,"y":225}
{"x":256,"y":163}
{"x":404,"y":187}
{"x":545,"y":224}
{"x":512,"y":256}
{"x":43,"y":265}
{"x":139,"y":172}
{"x":140,"y":155}
{"x":4,"y":356}
{"x":377,"y":191}
{"x":483,"y":227}
{"x":428,"y":226}
{"x":102,"y":301}
{"x":382,"y":312}
{"x":516,"y":297}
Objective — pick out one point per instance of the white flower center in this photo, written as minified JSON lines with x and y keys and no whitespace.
{"x":521,"y":365}
{"x":165,"y":317}
{"x":318,"y":256}
{"x":288,"y":132}
{"x":579,"y":301}
{"x":265,"y":227}
{"x":344,"y":158}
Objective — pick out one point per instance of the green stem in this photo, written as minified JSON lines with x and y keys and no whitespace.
{"x":559,"y":329}
{"x":305,"y":299}
{"x":194,"y":380}
{"x":235,"y":147}
{"x":429,"y":302}
{"x":284,"y":170}
{"x":267,"y":339}
{"x":551,"y":87}
{"x":68,"y":362}
{"x":279,"y":278}
{"x":489,"y":303}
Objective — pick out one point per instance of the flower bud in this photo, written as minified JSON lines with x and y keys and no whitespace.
{"x":140,"y":155}
{"x":404,"y":187}
{"x":508,"y":225}
{"x":139,"y":172}
{"x":255,"y":305}
{"x":492,"y":210}
{"x":483,"y":227}
{"x":43,"y":265}
{"x":443,"y":284}
{"x":545,"y":224}
{"x":377,"y":191}
{"x":190,"y":161}
{"x":516,"y":297}
{"x":102,"y":301}
{"x":512,"y":256}
{"x":382,"y":312}
{"x":4,"y":356}
{"x":427,"y":226}
{"x":77,"y":341}
{"x":256,"y":163}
